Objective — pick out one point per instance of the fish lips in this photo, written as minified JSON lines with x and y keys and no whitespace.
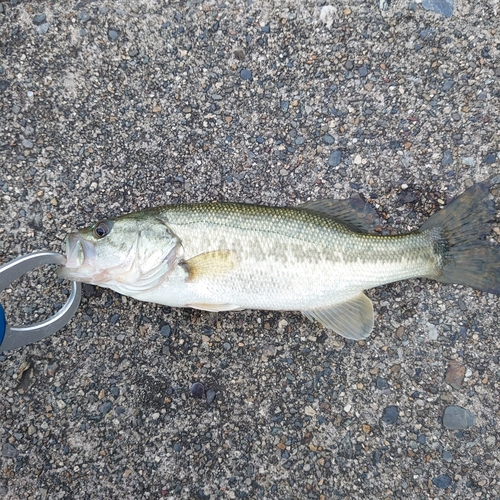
{"x":80,"y":254}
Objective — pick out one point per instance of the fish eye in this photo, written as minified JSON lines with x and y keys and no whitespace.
{"x":101,"y":229}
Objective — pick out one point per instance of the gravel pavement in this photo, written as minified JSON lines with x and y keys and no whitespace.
{"x":111,"y":107}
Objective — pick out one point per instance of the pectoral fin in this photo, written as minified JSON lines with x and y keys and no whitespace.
{"x":352,"y":319}
{"x":210,"y":264}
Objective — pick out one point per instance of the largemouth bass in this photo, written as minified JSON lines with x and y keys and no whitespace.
{"x":316,"y":258}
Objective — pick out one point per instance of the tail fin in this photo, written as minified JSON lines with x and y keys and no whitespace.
{"x":467,"y":258}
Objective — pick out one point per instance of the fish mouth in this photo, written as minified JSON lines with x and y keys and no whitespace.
{"x":80,"y":254}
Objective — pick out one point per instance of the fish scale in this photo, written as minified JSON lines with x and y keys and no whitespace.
{"x":312,"y":249}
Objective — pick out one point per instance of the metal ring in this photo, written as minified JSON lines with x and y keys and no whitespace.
{"x":18,"y":336}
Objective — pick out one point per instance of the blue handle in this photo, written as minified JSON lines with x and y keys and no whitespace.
{"x":3,"y":324}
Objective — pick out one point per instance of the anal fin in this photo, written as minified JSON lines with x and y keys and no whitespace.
{"x":353,"y":319}
{"x":215,"y":307}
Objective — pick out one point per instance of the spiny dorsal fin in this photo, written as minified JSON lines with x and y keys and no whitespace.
{"x":210,"y":264}
{"x":353,"y":212}
{"x":352,"y":319}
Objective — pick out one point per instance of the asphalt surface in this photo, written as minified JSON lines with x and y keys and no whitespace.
{"x":111,"y":107}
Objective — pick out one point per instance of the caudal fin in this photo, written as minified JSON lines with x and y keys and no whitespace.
{"x":462,"y":225}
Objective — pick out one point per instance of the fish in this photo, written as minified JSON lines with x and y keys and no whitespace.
{"x":318,"y":257}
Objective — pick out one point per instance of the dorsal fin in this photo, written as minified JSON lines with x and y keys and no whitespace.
{"x":353,"y":212}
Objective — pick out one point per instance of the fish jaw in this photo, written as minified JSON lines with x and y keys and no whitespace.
{"x":80,"y":259}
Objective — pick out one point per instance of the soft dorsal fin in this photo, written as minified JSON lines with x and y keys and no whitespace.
{"x":210,"y":264}
{"x":352,"y":319}
{"x":353,"y":212}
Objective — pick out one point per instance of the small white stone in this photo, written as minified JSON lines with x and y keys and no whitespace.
{"x":309,"y":410}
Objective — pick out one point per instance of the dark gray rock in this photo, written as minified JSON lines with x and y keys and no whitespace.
{"x":114,"y":319}
{"x":246,"y":74}
{"x":197,"y":390}
{"x":83,"y":16}
{"x":113,"y":35}
{"x":456,"y":417}
{"x":210,"y":396}
{"x":327,"y":139}
{"x":165,"y":331}
{"x":39,"y":19}
{"x":382,"y":384}
{"x":9,"y":451}
{"x":490,"y":158}
{"x":335,"y":158}
{"x":390,"y":414}
{"x":443,"y":481}
{"x":448,"y":84}
{"x":447,"y":158}
{"x":105,"y":407}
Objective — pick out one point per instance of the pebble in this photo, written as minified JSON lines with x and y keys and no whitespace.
{"x":447,"y":158}
{"x":197,"y":390}
{"x":165,"y":331}
{"x":335,"y":158}
{"x":113,"y":35}
{"x":468,"y":160}
{"x":443,"y":481}
{"x":327,"y":15}
{"x":363,"y":71}
{"x":390,"y":414}
{"x":39,"y":19}
{"x":448,"y":84}
{"x":490,"y":158}
{"x":382,"y":384}
{"x":432,"y":331}
{"x":456,"y":417}
{"x":114,"y":319}
{"x":327,"y":139}
{"x":27,"y":143}
{"x":83,"y":16}
{"x":444,"y":7}
{"x":447,"y":456}
{"x":455,"y":374}
{"x":210,"y":396}
{"x":9,"y":451}
{"x":105,"y":407}
{"x":246,"y":74}
{"x":42,"y":29}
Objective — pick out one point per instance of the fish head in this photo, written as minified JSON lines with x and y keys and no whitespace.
{"x":129,"y":253}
